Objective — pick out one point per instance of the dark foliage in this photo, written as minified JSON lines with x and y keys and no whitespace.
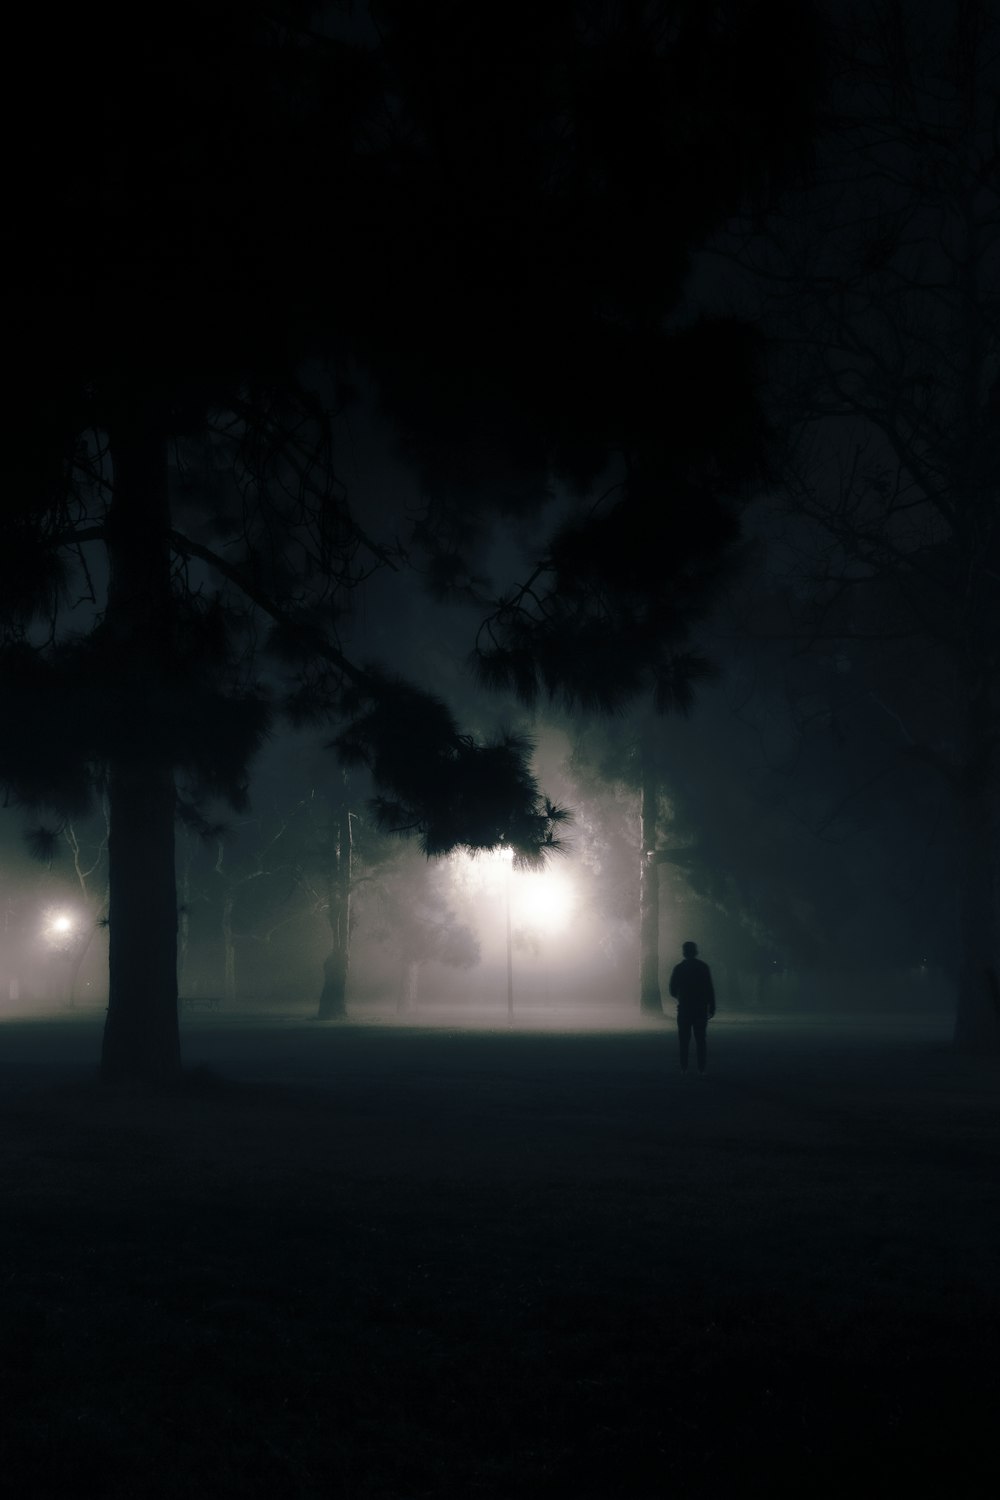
{"x":487,"y":213}
{"x":443,"y":786}
{"x":42,"y":843}
{"x":94,"y":700}
{"x":552,"y":172}
{"x":492,"y":214}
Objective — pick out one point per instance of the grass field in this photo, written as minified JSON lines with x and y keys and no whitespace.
{"x":367,"y":1262}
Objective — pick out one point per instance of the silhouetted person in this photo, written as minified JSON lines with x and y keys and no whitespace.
{"x":691,"y":986}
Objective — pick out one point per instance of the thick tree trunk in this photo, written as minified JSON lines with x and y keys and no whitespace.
{"x":972,"y":492}
{"x":141,"y":1035}
{"x":650,"y":998}
{"x":977,"y":1013}
{"x":337,"y":964}
{"x":184,"y":917}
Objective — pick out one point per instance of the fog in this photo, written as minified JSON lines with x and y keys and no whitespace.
{"x":495,"y":499}
{"x":811,"y":885}
{"x":790,"y":921}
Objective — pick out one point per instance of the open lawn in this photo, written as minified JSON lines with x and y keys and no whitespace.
{"x":366,"y":1262}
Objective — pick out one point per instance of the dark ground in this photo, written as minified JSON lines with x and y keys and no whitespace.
{"x":403,"y":1264}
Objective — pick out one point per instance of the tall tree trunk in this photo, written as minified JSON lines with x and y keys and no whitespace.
{"x":336,"y":965}
{"x":184,"y":916}
{"x":977,"y":1013}
{"x":406,"y":995}
{"x":141,"y":1034}
{"x":650,"y":998}
{"x":81,"y":953}
{"x":972,"y":493}
{"x":228,"y":949}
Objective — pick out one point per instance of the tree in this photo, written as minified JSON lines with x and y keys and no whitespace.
{"x":632,"y":755}
{"x":238,"y":878}
{"x":880,"y":285}
{"x":273,"y":182}
{"x":676,"y":433}
{"x":418,"y":923}
{"x":140,"y":238}
{"x":340,"y":884}
{"x":87,"y":862}
{"x":325,"y":839}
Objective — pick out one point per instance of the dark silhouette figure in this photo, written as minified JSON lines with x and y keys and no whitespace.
{"x":691,"y":986}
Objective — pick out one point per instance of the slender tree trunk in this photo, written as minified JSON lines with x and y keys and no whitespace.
{"x":650,"y":998}
{"x":77,"y":964}
{"x":228,"y":949}
{"x":141,"y":1034}
{"x":406,"y":996}
{"x":336,"y":965}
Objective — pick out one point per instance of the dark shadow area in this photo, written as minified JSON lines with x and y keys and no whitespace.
{"x":358,"y":1261}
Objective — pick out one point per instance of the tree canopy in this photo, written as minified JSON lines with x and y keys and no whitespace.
{"x":488,"y":214}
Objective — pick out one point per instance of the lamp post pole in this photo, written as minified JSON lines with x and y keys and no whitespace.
{"x":510,"y":959}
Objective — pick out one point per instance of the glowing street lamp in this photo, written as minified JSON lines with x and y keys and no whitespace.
{"x":59,"y":928}
{"x":543,"y":899}
{"x":545,"y":904}
{"x":546,"y":900}
{"x":480,"y":872}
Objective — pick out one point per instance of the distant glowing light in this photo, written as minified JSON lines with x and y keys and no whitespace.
{"x":544,"y":901}
{"x":59,"y":926}
{"x":540,"y":900}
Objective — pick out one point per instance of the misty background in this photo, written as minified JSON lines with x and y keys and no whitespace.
{"x":647,"y":478}
{"x":810,"y":862}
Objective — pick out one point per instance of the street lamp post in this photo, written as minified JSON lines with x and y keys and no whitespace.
{"x":546,"y":909}
{"x":510,"y":958}
{"x":65,"y":940}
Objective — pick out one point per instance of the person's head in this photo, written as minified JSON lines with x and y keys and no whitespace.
{"x":690,"y":950}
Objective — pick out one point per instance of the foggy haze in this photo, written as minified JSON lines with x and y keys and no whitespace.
{"x":500,"y":748}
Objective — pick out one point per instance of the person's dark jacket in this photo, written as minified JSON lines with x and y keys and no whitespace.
{"x":692,"y":988}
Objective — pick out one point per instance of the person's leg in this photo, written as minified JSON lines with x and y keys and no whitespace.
{"x":684,"y":1037}
{"x":701,"y":1042}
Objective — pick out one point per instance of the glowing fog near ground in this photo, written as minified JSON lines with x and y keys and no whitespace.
{"x":558,"y":940}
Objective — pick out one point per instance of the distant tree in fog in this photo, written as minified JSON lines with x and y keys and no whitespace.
{"x":418,"y":924}
{"x":881,"y":287}
{"x":633,"y":753}
{"x":665,"y":434}
{"x":486,"y":214}
{"x":159,"y":296}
